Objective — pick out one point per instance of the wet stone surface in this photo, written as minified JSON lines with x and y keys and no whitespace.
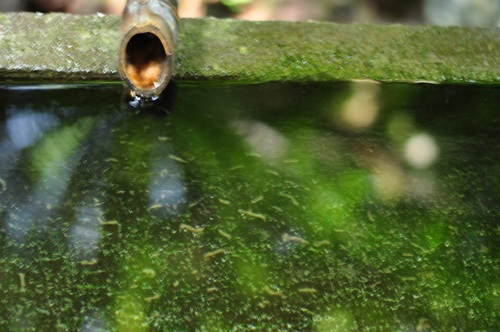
{"x":349,"y":206}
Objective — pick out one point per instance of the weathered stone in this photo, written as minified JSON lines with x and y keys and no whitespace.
{"x":67,"y":48}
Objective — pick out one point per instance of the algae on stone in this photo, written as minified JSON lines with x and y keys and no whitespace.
{"x":66,"y":48}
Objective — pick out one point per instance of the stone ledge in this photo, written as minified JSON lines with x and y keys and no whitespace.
{"x":67,"y":48}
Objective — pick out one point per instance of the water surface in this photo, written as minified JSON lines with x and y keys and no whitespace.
{"x":329,"y":207}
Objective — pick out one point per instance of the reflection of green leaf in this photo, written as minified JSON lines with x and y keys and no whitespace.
{"x":130,"y":314}
{"x":135,"y":293}
{"x":49,"y":157}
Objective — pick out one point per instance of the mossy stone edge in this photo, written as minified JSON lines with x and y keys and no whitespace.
{"x":68,"y":48}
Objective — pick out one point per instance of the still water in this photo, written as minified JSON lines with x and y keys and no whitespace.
{"x":329,"y":207}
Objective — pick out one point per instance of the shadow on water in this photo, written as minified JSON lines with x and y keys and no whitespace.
{"x":348,"y":206}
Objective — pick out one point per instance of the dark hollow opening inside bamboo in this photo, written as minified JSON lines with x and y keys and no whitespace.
{"x":146,"y":60}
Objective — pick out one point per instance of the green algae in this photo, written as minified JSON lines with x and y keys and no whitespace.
{"x":201,"y":226}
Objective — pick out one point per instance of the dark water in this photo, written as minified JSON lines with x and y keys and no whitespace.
{"x":341,"y":207}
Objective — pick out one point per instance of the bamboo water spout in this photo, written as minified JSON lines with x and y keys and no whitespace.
{"x":147,"y":48}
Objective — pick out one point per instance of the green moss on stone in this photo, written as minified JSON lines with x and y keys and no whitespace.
{"x":60,"y":47}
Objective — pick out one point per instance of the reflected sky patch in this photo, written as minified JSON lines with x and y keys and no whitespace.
{"x":24,"y":128}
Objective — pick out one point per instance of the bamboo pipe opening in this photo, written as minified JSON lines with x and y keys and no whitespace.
{"x":145,"y":61}
{"x":147,"y":49}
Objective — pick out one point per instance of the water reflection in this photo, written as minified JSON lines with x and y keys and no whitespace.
{"x":263,"y":140}
{"x":421,"y":150}
{"x":85,"y":232}
{"x":92,"y":323}
{"x":347,"y":206}
{"x":32,"y":200}
{"x":361,"y":108}
{"x":24,"y":128}
{"x":167,"y":190}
